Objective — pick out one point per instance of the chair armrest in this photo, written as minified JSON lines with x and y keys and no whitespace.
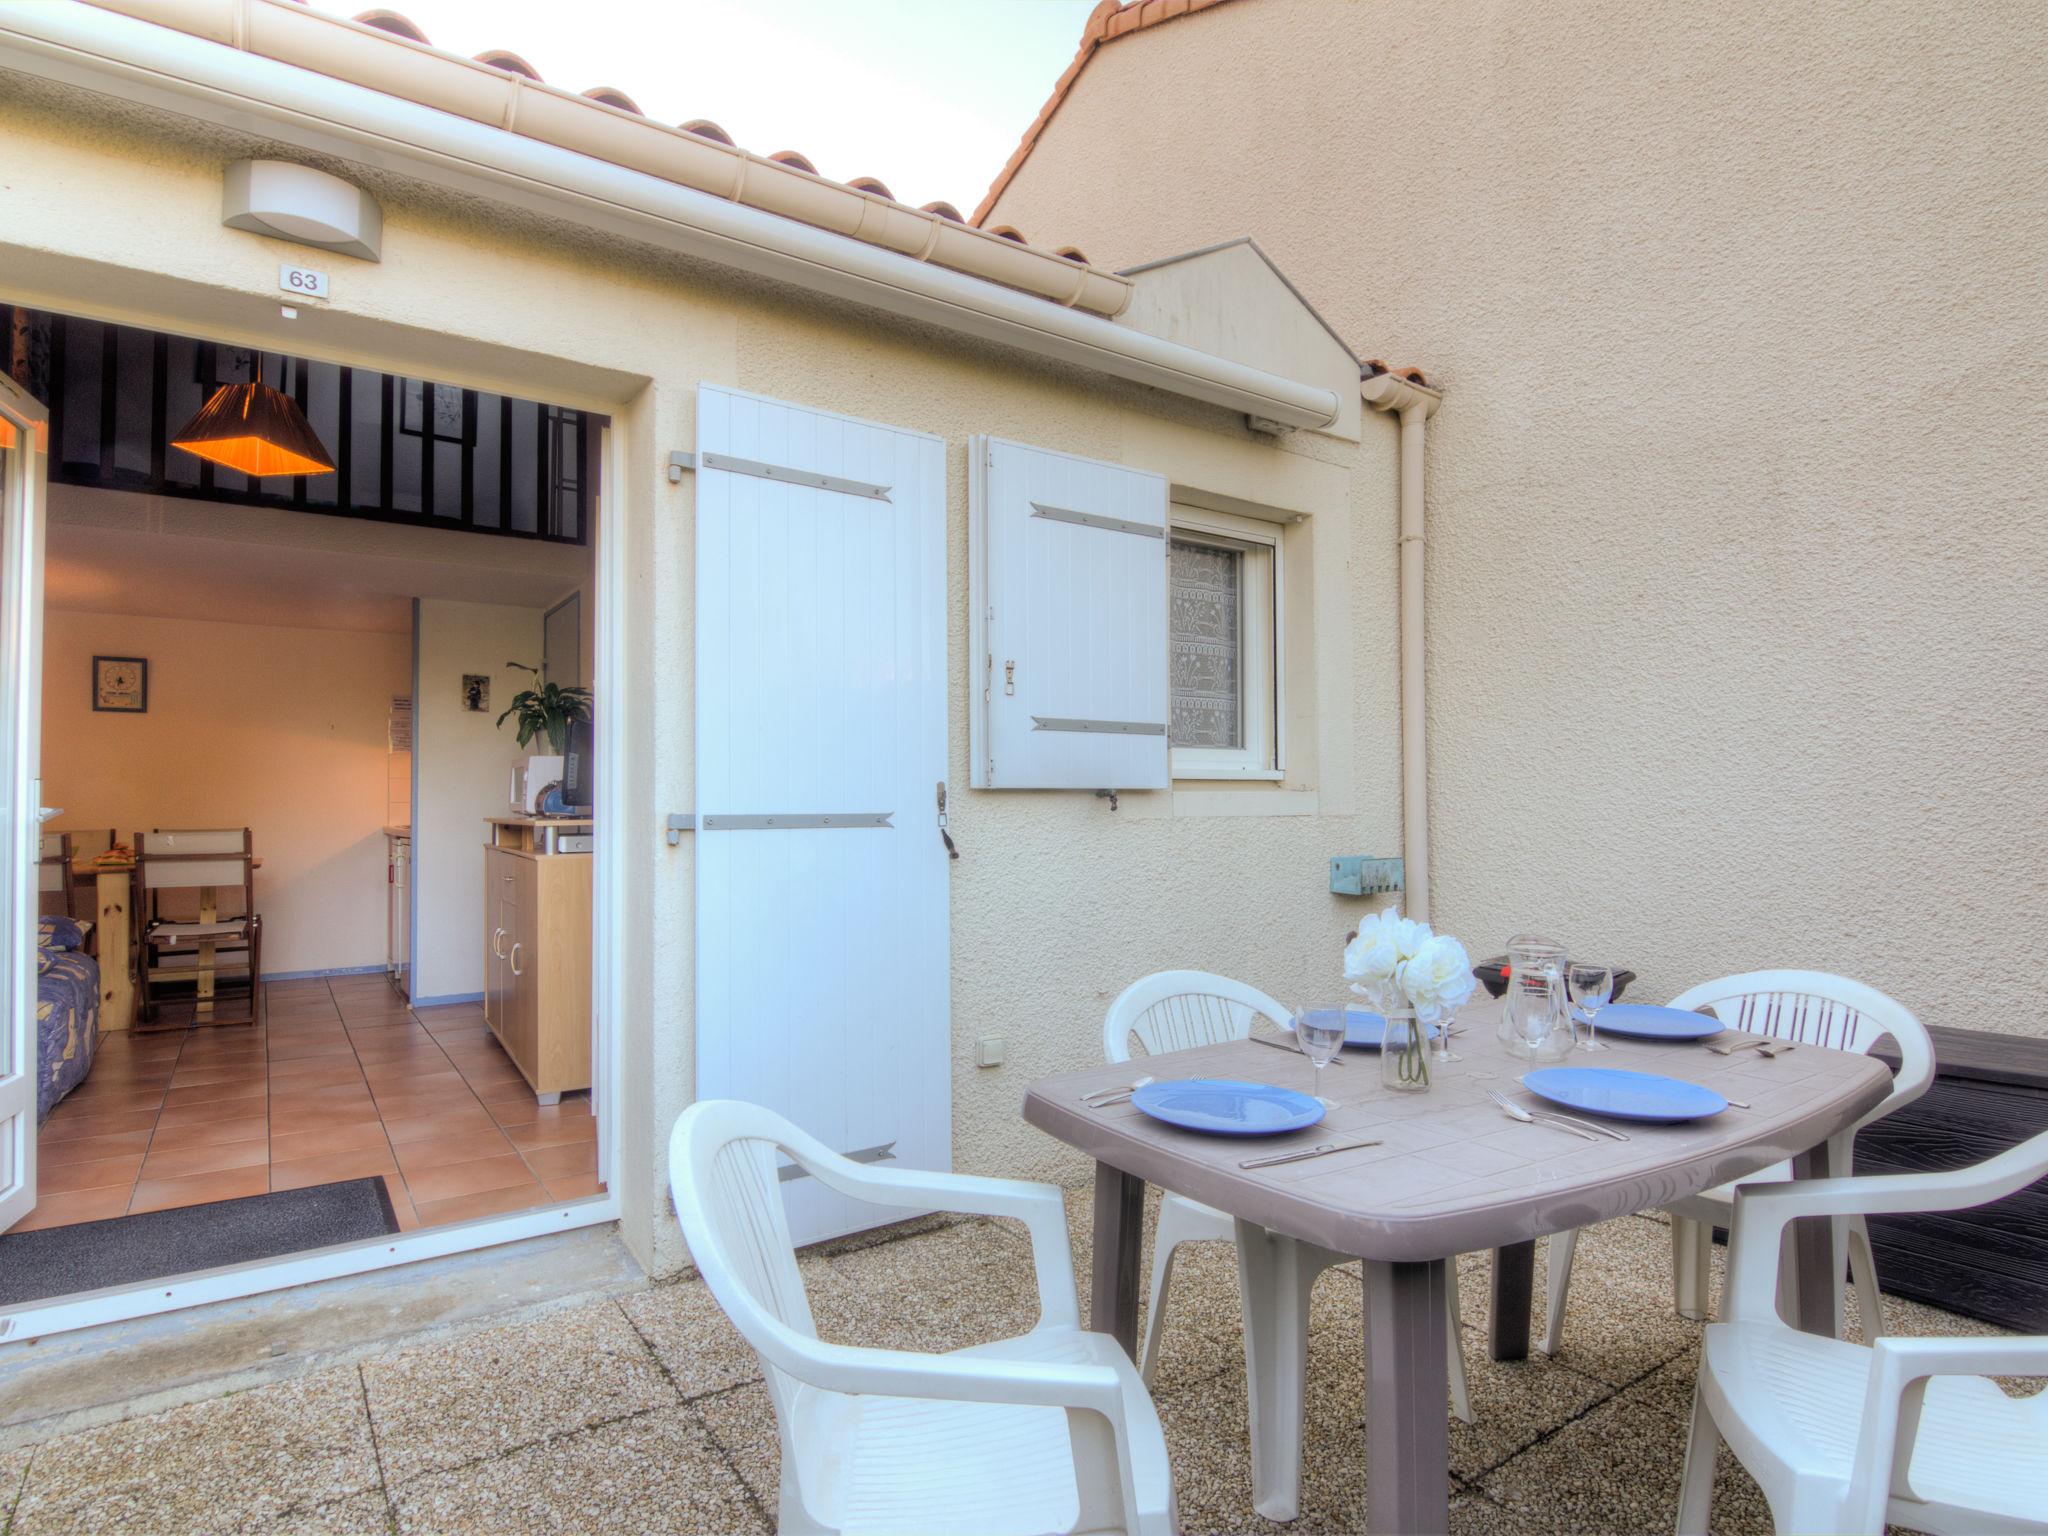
{"x":857,"y":1370}
{"x":1762,"y":1210}
{"x":1040,"y":1207}
{"x":1892,"y":1402}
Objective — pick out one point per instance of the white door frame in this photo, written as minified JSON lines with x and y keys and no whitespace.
{"x":121,"y":1303}
{"x":21,"y":641}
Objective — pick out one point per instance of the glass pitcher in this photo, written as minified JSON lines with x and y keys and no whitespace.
{"x":1537,"y":1023}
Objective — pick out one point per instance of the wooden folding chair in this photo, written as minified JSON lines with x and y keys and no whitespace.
{"x":54,"y":886}
{"x":214,"y":956}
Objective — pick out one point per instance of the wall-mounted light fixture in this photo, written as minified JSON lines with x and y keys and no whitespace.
{"x":296,"y":202}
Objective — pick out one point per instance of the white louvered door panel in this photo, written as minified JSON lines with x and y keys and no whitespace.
{"x":1070,"y":675}
{"x":822,"y":960}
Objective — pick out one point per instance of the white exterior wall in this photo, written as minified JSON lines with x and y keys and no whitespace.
{"x":1057,"y":902}
{"x":1739,"y":314}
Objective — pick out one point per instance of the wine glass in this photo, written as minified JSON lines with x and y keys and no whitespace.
{"x":1320,"y":1034}
{"x":1592,"y":987}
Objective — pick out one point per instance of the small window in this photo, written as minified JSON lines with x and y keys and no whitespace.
{"x":1223,"y":617}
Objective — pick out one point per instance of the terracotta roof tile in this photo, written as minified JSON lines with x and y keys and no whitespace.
{"x":704,"y":128}
{"x":872,"y":184}
{"x":794,"y":160}
{"x":1106,"y":23}
{"x":505,"y":58}
{"x":390,"y":21}
{"x":611,"y":96}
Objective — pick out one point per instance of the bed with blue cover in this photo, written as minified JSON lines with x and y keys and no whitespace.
{"x":67,"y":1010}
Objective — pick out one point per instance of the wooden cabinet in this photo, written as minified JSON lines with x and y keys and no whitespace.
{"x":537,"y":961}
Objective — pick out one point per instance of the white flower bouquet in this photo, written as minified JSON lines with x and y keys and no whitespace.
{"x":1400,"y":967}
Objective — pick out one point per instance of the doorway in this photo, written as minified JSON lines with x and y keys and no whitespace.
{"x":352,"y":1064}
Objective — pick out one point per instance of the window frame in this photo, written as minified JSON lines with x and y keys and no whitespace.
{"x":1261,"y":622}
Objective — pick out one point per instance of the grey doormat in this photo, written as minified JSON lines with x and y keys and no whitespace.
{"x":124,"y":1250}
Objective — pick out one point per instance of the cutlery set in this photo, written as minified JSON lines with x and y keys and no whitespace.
{"x":1585,"y":1130}
{"x":1289,"y":1046}
{"x":1764,"y":1047}
{"x":1321,"y":1149}
{"x":1102,"y":1098}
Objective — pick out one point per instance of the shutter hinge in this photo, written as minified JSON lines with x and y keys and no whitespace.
{"x":1009,"y":679}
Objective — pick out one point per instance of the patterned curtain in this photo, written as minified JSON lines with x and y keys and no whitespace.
{"x":1206,"y":646}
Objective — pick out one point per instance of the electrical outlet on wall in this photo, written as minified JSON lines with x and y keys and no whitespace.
{"x":1357,"y":875}
{"x":990,"y":1051}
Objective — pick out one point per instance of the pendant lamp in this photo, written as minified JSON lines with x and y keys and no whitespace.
{"x":256,"y":429}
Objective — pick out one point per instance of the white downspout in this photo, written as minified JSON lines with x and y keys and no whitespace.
{"x":1414,"y":404}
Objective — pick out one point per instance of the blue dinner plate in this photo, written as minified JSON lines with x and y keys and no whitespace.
{"x":1225,"y":1108}
{"x":1365,"y":1031}
{"x":1642,"y":1021}
{"x":1624,"y":1095}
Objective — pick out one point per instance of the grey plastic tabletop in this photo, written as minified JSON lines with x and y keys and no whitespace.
{"x":1453,"y":1173}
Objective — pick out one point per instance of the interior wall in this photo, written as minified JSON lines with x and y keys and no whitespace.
{"x":463,"y":770}
{"x":1735,"y":550}
{"x":280,"y":730}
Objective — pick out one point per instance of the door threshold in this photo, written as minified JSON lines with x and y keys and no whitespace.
{"x":69,"y":1381}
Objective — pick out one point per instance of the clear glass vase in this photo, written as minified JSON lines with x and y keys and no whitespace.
{"x":1405,"y":1057}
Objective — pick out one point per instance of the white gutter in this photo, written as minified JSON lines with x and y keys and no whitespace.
{"x":1414,"y":404}
{"x":139,"y":61}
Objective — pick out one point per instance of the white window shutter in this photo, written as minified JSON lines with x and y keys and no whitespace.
{"x":1070,"y":668}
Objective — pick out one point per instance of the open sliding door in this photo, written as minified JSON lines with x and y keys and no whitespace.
{"x":822,"y":962}
{"x":23,"y":437}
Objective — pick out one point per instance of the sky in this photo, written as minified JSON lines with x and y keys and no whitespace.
{"x":930,"y":96}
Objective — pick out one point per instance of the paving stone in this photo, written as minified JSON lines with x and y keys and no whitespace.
{"x":695,"y":1340}
{"x":1616,"y":1470}
{"x":653,"y":1474}
{"x":244,"y":1459}
{"x":1514,"y":1404}
{"x":1208,"y":1442}
{"x":364,"y":1514}
{"x":939,"y":1291}
{"x":490,"y":1392}
{"x":742,"y":1424}
{"x":13,"y":1469}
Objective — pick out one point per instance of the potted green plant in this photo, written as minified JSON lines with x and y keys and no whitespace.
{"x":546,"y":710}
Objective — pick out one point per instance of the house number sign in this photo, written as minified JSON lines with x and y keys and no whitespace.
{"x":303,"y":281}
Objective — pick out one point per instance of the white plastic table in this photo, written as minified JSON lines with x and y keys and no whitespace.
{"x":1453,"y":1175}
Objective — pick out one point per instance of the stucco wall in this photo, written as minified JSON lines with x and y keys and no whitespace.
{"x":1737,"y":538}
{"x":1057,"y":902}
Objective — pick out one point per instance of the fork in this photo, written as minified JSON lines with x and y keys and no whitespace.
{"x":1289,"y":1044}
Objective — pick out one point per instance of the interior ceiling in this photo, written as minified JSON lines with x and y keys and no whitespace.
{"x":103,"y":565}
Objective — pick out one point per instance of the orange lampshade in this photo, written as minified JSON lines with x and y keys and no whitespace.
{"x":256,"y":429}
{"x":7,"y":433}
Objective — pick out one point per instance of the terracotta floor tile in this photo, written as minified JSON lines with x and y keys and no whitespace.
{"x":401,"y":1205}
{"x":409,"y":1105}
{"x":227,"y":1184}
{"x":577,"y":1186}
{"x":401,"y":1059}
{"x":181,"y":1162}
{"x":209,"y":1075}
{"x":321,"y":1141}
{"x":447,"y":1122}
{"x":412,"y":1078}
{"x":66,"y":1123}
{"x":455,"y":1179}
{"x":552,"y":1133}
{"x":314,"y":1072}
{"x":211,"y":1133}
{"x":494,"y":1202}
{"x":86,"y":1149}
{"x":116,"y":1101}
{"x":336,"y":1044}
{"x":462,"y":1147}
{"x":384,"y":1033}
{"x":214,"y":1093}
{"x":79,"y":1205}
{"x":562,"y":1161}
{"x":332,"y":1168}
{"x":200,"y":1114}
{"x":312,"y":1110}
{"x":514,"y":1113}
{"x":501,"y":1088}
{"x":102,"y":1173}
{"x":463,"y":1034}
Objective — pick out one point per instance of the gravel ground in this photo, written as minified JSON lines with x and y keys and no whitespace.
{"x":648,"y":1414}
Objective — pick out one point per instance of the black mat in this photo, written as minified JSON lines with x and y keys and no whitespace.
{"x":123,"y":1250}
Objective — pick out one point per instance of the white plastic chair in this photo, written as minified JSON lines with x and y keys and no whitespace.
{"x":1815,"y":1009}
{"x":1847,"y":1438}
{"x":1176,"y":1011}
{"x":1048,"y":1431}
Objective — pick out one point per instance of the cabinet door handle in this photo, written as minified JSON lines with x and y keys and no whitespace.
{"x":515,"y":960}
{"x":497,"y":952}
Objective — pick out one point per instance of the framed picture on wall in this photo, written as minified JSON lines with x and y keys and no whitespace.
{"x":120,"y":684}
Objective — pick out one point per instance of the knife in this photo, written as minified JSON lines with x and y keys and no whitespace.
{"x":1301,"y":1153}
